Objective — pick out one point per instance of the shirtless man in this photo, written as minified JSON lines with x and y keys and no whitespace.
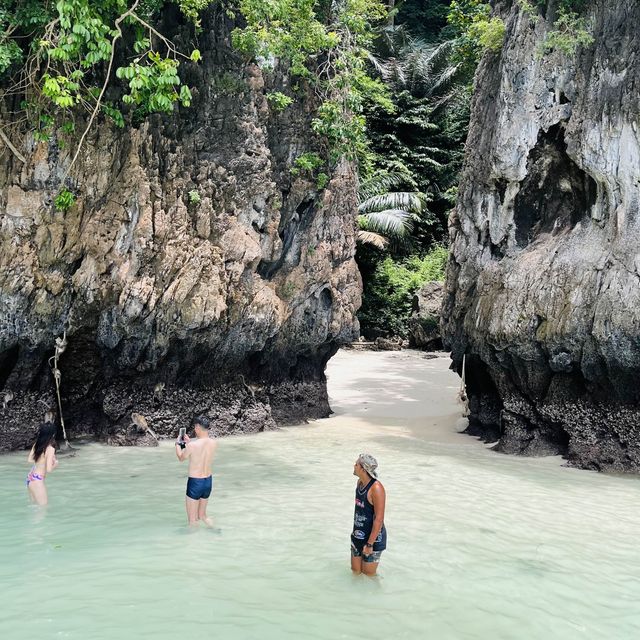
{"x":200,"y":454}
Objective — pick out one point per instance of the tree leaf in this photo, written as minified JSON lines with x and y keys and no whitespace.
{"x":412,"y":202}
{"x":374,"y":239}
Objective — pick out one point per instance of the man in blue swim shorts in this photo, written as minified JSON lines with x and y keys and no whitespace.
{"x":200,"y":453}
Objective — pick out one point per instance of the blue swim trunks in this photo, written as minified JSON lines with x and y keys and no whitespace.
{"x":199,"y":488}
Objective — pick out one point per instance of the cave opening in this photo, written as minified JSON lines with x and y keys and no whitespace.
{"x":485,"y":403}
{"x":556,"y":194}
{"x":8,"y":360}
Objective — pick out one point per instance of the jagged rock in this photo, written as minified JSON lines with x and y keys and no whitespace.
{"x":257,"y":278}
{"x":543,"y":286}
{"x":424,"y":323}
{"x":131,"y":437}
{"x":388,"y":344}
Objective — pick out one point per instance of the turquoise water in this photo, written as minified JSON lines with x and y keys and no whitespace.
{"x":481,"y":546}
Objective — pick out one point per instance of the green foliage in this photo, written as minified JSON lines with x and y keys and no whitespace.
{"x":385,"y":215}
{"x":65,"y":54}
{"x":491,"y":34}
{"x":427,"y":18}
{"x":192,"y":9}
{"x":114,"y":114}
{"x":322,"y":181}
{"x":323,"y":44}
{"x":475,"y":30}
{"x":154,"y":85}
{"x":60,"y":56}
{"x":570,"y":32}
{"x":64,"y":200}
{"x":419,"y":148}
{"x":194,"y":197}
{"x":533,"y":7}
{"x":422,"y":144}
{"x":279,"y":101}
{"x":344,"y":129}
{"x":308,"y":161}
{"x":282,"y":29}
{"x":18,"y":17}
{"x":389,"y":291}
{"x":308,"y":164}
{"x":529,"y":7}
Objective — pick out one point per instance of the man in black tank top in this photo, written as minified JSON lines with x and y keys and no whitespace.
{"x":369,"y":535}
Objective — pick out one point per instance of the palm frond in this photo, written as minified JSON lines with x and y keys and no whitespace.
{"x":428,"y":55}
{"x":377,"y":63}
{"x":444,"y":100}
{"x":380,"y":183}
{"x":442,"y":83}
{"x":375,"y":239}
{"x":410,"y":201}
{"x":393,"y":38}
{"x":390,"y":222}
{"x":420,"y":67}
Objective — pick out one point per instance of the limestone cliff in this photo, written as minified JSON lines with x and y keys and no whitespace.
{"x":543,"y":285}
{"x":227,"y":302}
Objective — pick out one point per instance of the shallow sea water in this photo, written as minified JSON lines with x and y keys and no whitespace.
{"x":481,"y":545}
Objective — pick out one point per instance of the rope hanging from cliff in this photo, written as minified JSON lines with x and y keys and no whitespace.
{"x":462,"y":395}
{"x":61,"y":345}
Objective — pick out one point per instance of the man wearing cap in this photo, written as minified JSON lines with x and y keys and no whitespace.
{"x":369,"y":536}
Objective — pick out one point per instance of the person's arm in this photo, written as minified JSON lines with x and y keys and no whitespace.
{"x":183,"y":453}
{"x":30,"y":458}
{"x":378,"y":499}
{"x":50,"y":459}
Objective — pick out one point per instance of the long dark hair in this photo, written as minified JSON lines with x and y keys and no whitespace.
{"x":46,"y":436}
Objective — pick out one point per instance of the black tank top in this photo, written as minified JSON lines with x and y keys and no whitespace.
{"x":363,"y":521}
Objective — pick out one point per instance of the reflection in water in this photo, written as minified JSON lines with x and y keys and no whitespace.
{"x":481,"y":545}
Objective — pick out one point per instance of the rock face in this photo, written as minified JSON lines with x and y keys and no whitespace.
{"x":195,"y":274}
{"x":424,"y":323}
{"x":543,"y":285}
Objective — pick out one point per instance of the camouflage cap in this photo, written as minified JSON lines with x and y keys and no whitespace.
{"x":369,"y":464}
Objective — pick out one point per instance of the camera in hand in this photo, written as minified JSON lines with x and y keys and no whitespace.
{"x":181,"y":435}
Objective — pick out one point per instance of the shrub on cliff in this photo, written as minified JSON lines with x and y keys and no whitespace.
{"x":111,"y":59}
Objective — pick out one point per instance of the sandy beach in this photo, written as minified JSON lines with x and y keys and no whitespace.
{"x":408,"y":391}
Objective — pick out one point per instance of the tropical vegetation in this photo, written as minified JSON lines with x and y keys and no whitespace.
{"x":392,"y":86}
{"x":427,"y":58}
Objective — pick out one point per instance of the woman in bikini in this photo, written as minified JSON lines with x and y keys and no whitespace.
{"x":43,"y":457}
